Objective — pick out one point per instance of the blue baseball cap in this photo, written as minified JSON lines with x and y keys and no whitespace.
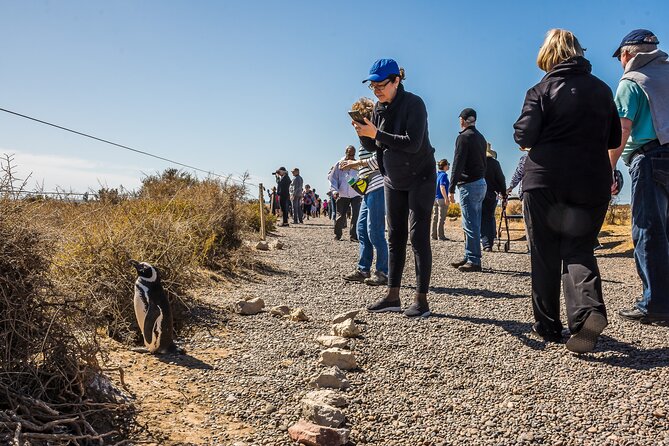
{"x":381,"y":69}
{"x":637,"y":37}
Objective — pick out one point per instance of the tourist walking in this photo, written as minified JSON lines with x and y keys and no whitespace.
{"x":372,"y":218}
{"x":642,"y":101}
{"x":441,"y":201}
{"x":283,"y":190}
{"x":495,"y":186}
{"x":346,"y":197}
{"x":570,"y":122}
{"x":296,"y":194}
{"x":398,"y":132}
{"x":469,"y":164}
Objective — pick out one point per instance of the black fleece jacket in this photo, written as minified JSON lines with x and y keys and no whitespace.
{"x":569,"y":120}
{"x":494,"y":178}
{"x":469,"y":160}
{"x":402,"y":144}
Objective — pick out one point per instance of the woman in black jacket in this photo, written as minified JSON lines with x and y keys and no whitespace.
{"x":398,"y":132}
{"x":569,"y":120}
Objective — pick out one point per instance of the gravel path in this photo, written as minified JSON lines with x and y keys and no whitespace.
{"x":468,"y":375}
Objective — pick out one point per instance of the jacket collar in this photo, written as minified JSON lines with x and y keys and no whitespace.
{"x":385,"y":107}
{"x":575,"y":65}
{"x":643,"y":59}
{"x":471,"y":127}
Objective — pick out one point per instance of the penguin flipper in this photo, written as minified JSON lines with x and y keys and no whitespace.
{"x":152,"y":316}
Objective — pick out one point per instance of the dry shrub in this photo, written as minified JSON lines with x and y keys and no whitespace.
{"x":199,"y":227}
{"x":619,"y":214}
{"x":454,"y":210}
{"x":48,"y":360}
{"x":252,"y":211}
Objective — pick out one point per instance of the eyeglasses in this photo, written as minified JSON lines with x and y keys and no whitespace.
{"x":378,"y":87}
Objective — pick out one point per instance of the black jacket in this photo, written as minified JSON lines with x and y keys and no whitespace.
{"x":494,"y":178}
{"x":283,"y":187}
{"x":402,"y":144}
{"x":469,"y":160}
{"x":569,"y":120}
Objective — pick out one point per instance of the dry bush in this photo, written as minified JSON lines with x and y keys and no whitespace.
{"x":252,"y":212}
{"x":454,"y":211}
{"x":48,"y":360}
{"x":619,"y":214}
{"x":198,"y":228}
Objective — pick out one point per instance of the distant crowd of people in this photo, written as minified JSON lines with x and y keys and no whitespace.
{"x":293,"y":198}
{"x":572,"y":131}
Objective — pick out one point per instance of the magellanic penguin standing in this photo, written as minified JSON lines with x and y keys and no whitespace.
{"x":153,"y":311}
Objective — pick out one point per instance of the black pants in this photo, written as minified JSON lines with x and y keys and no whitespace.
{"x":343,"y":204}
{"x":561,"y":237}
{"x":488,"y":224}
{"x":284,"y":202}
{"x":410,"y":211}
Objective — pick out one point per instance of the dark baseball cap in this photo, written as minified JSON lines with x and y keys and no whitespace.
{"x":468,"y":113}
{"x":381,"y":69}
{"x":280,"y":169}
{"x":637,"y":37}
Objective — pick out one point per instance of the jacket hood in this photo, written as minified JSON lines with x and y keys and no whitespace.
{"x":575,"y":65}
{"x":643,"y":59}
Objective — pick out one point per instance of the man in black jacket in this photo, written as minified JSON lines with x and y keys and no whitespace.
{"x":469,"y":164}
{"x":496,"y":184}
{"x":283,"y":190}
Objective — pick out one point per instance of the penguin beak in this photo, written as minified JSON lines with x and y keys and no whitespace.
{"x":134,"y":264}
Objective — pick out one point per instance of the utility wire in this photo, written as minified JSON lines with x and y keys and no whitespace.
{"x":208,"y":172}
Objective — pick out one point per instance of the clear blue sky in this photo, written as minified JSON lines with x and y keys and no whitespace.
{"x":254,"y":85}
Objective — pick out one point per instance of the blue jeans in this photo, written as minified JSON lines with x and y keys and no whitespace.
{"x":471,"y":201}
{"x":372,"y":232}
{"x":650,"y":234}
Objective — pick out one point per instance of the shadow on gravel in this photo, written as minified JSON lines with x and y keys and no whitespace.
{"x":186,"y":361}
{"x":476,"y":292}
{"x":516,"y":329}
{"x":621,"y":354}
{"x":508,"y":273}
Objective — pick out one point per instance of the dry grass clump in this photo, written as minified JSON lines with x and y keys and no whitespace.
{"x":184,"y":233}
{"x":48,"y":359}
{"x":619,"y":215}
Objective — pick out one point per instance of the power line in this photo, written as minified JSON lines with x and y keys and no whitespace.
{"x":208,"y":172}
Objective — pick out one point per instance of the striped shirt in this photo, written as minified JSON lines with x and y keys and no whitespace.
{"x":371,"y":167}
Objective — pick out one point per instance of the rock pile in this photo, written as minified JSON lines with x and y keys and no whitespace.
{"x":322,"y":409}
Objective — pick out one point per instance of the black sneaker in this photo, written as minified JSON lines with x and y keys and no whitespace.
{"x":470,"y":267}
{"x":487,"y":249}
{"x":357,"y":276}
{"x":379,"y":278}
{"x":585,"y":340}
{"x":384,"y":305}
{"x":548,"y":337}
{"x":459,"y":264}
{"x":417,"y":309}
{"x":443,"y":239}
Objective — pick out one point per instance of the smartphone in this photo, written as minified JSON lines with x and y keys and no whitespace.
{"x":357,"y":116}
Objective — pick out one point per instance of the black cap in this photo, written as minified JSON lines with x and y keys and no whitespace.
{"x":280,"y":169}
{"x":468,"y":113}
{"x":637,"y":37}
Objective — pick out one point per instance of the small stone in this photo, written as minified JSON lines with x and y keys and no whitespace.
{"x":298,"y":315}
{"x":269,"y":408}
{"x":277,"y":244}
{"x":311,"y":434}
{"x":659,"y":413}
{"x":338,"y":357}
{"x":526,"y":436}
{"x":231,"y":399}
{"x":280,"y":310}
{"x":250,"y":307}
{"x":332,"y":341}
{"x":329,"y":397}
{"x":322,"y":414}
{"x":346,"y":329}
{"x":262,"y":246}
{"x":332,"y":378}
{"x":341,"y":317}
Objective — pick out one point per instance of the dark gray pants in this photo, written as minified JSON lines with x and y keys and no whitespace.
{"x":561,"y":237}
{"x":343,"y":204}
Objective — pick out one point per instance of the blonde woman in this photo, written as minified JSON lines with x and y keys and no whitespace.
{"x":570,"y":121}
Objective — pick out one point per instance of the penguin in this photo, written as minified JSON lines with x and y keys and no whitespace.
{"x":153,"y":312}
